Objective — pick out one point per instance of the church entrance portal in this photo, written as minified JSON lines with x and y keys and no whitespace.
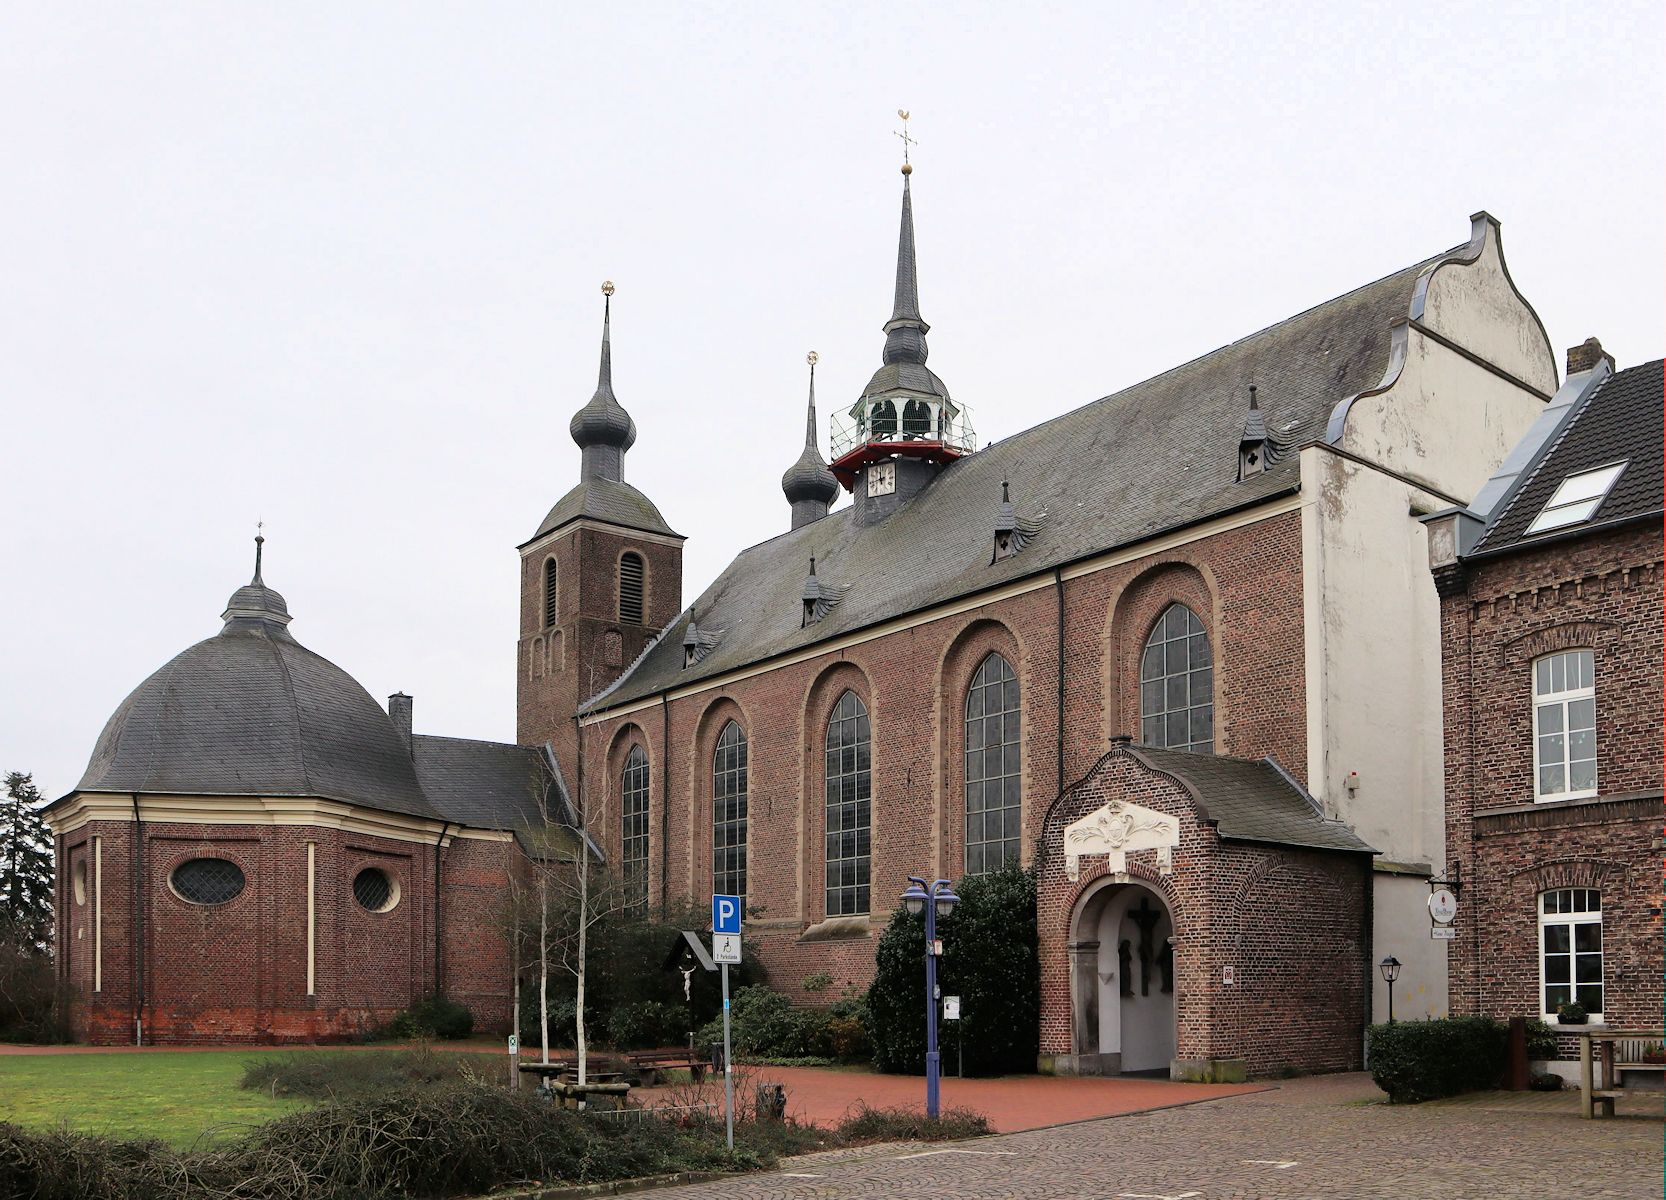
{"x":1122,"y":966}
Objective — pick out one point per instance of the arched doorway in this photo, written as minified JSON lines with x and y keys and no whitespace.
{"x":1122,"y":957}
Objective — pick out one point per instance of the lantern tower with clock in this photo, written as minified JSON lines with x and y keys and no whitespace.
{"x":905,"y":428}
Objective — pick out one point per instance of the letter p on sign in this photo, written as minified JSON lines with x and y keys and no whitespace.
{"x":725,"y":914}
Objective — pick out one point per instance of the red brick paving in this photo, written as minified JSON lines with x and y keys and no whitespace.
{"x":1012,"y":1103}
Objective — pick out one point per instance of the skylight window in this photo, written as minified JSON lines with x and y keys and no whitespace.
{"x":1577,"y":497}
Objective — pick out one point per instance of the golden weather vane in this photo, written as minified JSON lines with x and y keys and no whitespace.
{"x":907,"y":141}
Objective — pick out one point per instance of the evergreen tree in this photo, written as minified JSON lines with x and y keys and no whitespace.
{"x":26,"y":867}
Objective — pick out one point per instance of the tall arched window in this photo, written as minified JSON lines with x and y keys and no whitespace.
{"x":993,"y":797}
{"x":549,"y":592}
{"x":729,"y":813}
{"x":1177,"y":684}
{"x":633,"y":833}
{"x":849,"y":797}
{"x":630,"y":588}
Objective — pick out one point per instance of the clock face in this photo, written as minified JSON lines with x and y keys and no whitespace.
{"x":882,"y":479}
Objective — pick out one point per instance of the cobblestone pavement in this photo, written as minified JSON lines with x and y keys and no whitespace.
{"x":1326,"y":1138}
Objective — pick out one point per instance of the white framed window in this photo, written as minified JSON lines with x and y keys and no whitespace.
{"x":1570,"y":950}
{"x":1576,"y":498}
{"x":1565,"y":725}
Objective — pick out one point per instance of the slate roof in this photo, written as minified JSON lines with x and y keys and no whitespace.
{"x":1620,"y":419}
{"x":252,"y":712}
{"x":610,"y":500}
{"x":1156,"y":456}
{"x":1250,"y":800}
{"x":486,"y":785}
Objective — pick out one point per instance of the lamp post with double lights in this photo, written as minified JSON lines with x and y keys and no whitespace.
{"x":936,"y":900}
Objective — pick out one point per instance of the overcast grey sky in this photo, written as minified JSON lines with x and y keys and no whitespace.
{"x":337,"y":266}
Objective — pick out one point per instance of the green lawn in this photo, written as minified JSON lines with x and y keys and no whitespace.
{"x":175,"y":1097}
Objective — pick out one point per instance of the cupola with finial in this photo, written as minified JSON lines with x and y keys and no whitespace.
{"x":602,"y":428}
{"x":254,"y":607}
{"x":808,"y":485}
{"x":905,"y":428}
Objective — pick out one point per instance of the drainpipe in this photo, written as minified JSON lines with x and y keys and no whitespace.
{"x":1058,"y":765}
{"x":438,"y":979}
{"x":665,"y":802}
{"x":138,"y":925}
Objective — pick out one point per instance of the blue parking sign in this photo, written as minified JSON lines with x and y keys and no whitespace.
{"x":725,"y":914}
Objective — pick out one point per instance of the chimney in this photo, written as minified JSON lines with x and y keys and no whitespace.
{"x":399,"y":712}
{"x":1587,"y":355}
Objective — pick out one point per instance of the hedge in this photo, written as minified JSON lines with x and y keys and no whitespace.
{"x":1425,"y":1060}
{"x":990,"y":961}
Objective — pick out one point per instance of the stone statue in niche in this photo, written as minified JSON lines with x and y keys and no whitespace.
{"x":1125,"y":958}
{"x":1146,"y":918}
{"x":1165,"y":963}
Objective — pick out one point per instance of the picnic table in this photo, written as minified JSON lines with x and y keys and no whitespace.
{"x":1596,"y":1048}
{"x":559,"y":1078}
{"x":649,"y":1063}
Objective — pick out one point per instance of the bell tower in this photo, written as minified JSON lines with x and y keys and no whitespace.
{"x":602,"y":575}
{"x":905,"y":428}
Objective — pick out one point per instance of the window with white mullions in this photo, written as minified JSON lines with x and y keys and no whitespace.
{"x":849,"y":807}
{"x":633,"y":790}
{"x":729,"y":769}
{"x":1565,"y":725}
{"x":1177,"y":684}
{"x":1576,"y":498}
{"x":1570,"y":949}
{"x":994,"y":788}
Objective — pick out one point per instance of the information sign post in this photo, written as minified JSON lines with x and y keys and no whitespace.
{"x":725,"y":950}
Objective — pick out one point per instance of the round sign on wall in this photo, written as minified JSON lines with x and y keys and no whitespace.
{"x":1443,"y":906}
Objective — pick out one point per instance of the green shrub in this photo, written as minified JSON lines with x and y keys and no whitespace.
{"x":647,"y":1023}
{"x":1541,"y":1041}
{"x":431,"y":1017}
{"x":1424,"y":1060}
{"x":864,"y":1124}
{"x":764,"y":1024}
{"x":989,"y":960}
{"x":1572,"y":1013}
{"x":321,"y":1076}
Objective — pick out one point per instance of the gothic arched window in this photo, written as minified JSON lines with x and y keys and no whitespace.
{"x":849,"y":808}
{"x":630,"y":588}
{"x":729,"y":813}
{"x":1177,"y":684}
{"x":994,"y":804}
{"x":549,"y":592}
{"x":633,"y":833}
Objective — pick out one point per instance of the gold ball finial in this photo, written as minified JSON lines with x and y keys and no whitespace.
{"x":812,"y":358}
{"x":908,"y":168}
{"x":607,"y":287}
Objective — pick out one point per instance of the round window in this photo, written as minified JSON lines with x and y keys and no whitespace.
{"x":81,"y":883}
{"x":375,"y":890}
{"x":207,"y":881}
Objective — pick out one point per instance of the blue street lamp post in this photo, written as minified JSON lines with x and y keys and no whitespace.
{"x":935,"y":900}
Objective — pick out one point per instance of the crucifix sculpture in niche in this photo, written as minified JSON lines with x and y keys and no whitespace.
{"x":1146,"y":918}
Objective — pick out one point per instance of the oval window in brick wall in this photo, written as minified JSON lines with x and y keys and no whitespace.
{"x":375,"y":890}
{"x":207,"y":881}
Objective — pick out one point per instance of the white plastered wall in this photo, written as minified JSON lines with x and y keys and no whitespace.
{"x":1431,"y":433}
{"x":1374,"y":696}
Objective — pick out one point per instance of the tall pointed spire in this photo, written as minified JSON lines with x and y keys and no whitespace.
{"x":808,"y":485}
{"x":602,"y":428}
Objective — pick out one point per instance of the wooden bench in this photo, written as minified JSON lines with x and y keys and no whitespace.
{"x":1598,"y":1048}
{"x":650,"y":1063}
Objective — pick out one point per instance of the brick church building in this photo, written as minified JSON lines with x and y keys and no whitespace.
{"x":1178,"y":650}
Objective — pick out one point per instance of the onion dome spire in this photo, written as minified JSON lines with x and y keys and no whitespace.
{"x":254,"y":607}
{"x":602,"y":428}
{"x":808,"y":485}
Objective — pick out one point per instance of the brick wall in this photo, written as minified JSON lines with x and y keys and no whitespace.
{"x":1290,"y":923}
{"x":1244,"y":585}
{"x":1601,"y":592}
{"x":237,"y":972}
